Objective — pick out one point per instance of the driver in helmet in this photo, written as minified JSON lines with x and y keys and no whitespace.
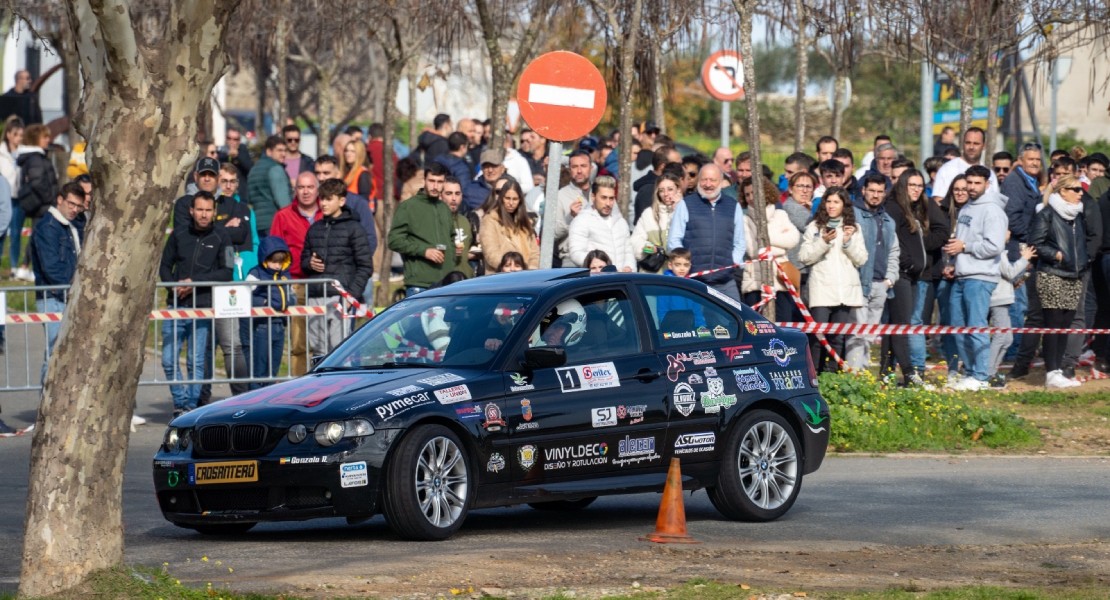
{"x":563,"y":326}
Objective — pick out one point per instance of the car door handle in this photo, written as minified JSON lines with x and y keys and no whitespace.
{"x":647,"y":375}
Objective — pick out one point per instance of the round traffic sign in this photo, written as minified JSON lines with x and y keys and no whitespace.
{"x":561,"y":96}
{"x":723,"y":75}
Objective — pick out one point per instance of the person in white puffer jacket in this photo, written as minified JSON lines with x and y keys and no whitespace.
{"x":832,"y":246}
{"x":601,"y":228}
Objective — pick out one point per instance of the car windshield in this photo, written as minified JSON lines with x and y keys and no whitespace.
{"x":443,"y":331}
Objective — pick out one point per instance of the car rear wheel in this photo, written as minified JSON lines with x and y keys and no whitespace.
{"x":761,"y":471}
{"x":222,"y":528}
{"x":428,"y":489}
{"x":563,"y":505}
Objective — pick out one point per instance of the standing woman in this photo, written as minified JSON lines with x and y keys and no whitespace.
{"x":782,"y":235}
{"x":355,"y":167}
{"x":507,"y":227}
{"x":833,"y":249}
{"x":11,"y":138}
{"x":38,"y":189}
{"x":649,"y":237}
{"x":908,"y":190}
{"x":1059,"y":233}
{"x":935,"y":229}
{"x":956,"y":198}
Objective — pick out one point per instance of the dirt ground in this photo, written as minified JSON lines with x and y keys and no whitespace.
{"x":1077,"y":428}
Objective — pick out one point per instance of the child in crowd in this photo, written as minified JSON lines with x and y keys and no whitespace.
{"x":679,"y":263}
{"x":268,"y":333}
{"x":1001,"y":299}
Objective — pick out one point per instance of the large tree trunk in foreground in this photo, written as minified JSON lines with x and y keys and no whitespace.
{"x":802,"y":54}
{"x":631,"y":36}
{"x":756,"y":211}
{"x":382,"y":294}
{"x":139,"y":106}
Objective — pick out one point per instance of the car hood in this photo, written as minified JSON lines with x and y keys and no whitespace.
{"x":382,"y":393}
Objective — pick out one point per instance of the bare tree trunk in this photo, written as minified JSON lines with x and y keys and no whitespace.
{"x":967,"y":101}
{"x":658,"y":112}
{"x":384,"y":216}
{"x":139,"y":117}
{"x":261,"y":76}
{"x":413,"y":133}
{"x":801,"y":49}
{"x":628,"y":55}
{"x":325,"y":92}
{"x":756,"y":210}
{"x":838,"y":106}
{"x":281,"y":59}
{"x":994,"y":91}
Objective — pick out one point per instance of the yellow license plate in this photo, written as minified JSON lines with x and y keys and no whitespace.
{"x":240,"y":471}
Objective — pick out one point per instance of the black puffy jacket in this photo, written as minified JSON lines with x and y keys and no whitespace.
{"x":340,"y":242}
{"x":1050,"y":233}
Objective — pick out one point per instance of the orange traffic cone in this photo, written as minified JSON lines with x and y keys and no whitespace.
{"x":670,"y":525}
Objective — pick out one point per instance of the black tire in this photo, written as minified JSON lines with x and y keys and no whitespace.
{"x":222,"y":528}
{"x":761,"y":469}
{"x":563,"y":505}
{"x":428,"y":486}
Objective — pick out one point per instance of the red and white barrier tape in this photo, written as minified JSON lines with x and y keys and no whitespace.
{"x":174,"y":314}
{"x":764,"y":255}
{"x":893,"y":329}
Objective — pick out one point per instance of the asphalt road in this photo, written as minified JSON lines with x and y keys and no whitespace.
{"x":852,"y":502}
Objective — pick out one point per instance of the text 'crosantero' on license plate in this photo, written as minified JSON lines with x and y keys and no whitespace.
{"x":223,"y":472}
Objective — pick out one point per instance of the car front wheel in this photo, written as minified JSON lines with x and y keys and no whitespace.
{"x":760,"y":469}
{"x":428,"y":487}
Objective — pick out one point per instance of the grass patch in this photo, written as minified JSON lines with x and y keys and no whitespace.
{"x":143,"y":583}
{"x":711,"y":590}
{"x":868,"y":416}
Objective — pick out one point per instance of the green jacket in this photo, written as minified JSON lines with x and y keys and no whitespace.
{"x":463,"y":233}
{"x":421,"y":223}
{"x":269,"y":190}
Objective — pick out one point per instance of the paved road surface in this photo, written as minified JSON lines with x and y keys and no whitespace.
{"x":852,"y":502}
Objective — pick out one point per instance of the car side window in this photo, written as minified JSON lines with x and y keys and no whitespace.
{"x":682,"y":317}
{"x":590,"y":326}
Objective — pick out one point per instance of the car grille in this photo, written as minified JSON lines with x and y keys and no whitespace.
{"x":245,"y":438}
{"x":240,"y":499}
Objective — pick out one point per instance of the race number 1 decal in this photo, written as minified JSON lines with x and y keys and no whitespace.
{"x":588,"y":377}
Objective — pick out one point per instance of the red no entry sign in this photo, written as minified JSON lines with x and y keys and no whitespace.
{"x":723,"y":75}
{"x":561,"y":96}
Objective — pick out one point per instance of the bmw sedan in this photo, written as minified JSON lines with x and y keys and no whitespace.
{"x":547,"y":388}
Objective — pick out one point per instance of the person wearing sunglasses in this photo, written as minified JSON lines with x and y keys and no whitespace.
{"x":296,"y":162}
{"x":1002,"y":163}
{"x":1059,"y":235}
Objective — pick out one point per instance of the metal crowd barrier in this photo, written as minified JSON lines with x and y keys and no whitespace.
{"x":230,"y":327}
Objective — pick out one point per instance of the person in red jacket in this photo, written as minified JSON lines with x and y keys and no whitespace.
{"x":291,"y":225}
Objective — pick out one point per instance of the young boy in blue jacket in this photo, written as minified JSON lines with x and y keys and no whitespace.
{"x":268,"y":333}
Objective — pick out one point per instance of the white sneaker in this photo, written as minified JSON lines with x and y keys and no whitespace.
{"x":970,"y":384}
{"x":137,"y":420}
{"x":954,"y":379}
{"x":1070,"y":383}
{"x":1056,"y":380}
{"x":24,"y":274}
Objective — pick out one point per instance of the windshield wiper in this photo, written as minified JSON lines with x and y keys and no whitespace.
{"x":405,"y":365}
{"x":339,"y":368}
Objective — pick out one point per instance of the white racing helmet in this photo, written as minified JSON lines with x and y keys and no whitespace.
{"x":568,"y":313}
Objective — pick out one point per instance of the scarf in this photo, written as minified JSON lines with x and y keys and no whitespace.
{"x":1065,"y":209}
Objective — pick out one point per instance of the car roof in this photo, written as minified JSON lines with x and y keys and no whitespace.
{"x":541,"y":281}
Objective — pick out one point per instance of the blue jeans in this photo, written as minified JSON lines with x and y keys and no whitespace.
{"x":917,"y":342}
{"x":1017,"y":318}
{"x":15,"y":230}
{"x":269,"y":344}
{"x":948,"y":341}
{"x":49,"y":304}
{"x":194,"y":335}
{"x":970,"y":302}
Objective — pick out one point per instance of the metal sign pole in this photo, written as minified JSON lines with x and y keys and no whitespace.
{"x":725,"y":122}
{"x":551,"y":199}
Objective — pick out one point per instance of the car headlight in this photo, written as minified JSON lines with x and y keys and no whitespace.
{"x":330,"y":432}
{"x":297,"y":433}
{"x":169,"y":441}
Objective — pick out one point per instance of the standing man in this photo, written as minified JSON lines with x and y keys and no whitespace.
{"x":878,"y":274}
{"x":235,"y":220}
{"x":422,"y":234}
{"x":600,"y":228}
{"x":234,"y":152}
{"x":972,"y":154}
{"x":31,"y":113}
{"x":200,"y":252}
{"x":1023,"y":195}
{"x":722,"y":157}
{"x":1002,"y":163}
{"x":826,"y":147}
{"x":455,"y":157}
{"x":433,"y":142}
{"x":705,"y":223}
{"x":268,"y":185}
{"x":980,"y":240}
{"x":55,"y":244}
{"x":475,"y":194}
{"x":462,"y":234}
{"x":375,"y":149}
{"x":295,"y":162}
{"x":327,"y":167}
{"x":291,"y":225}
{"x":572,"y":198}
{"x":945,"y":141}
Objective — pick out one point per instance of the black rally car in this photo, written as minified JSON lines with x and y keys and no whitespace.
{"x":548,"y":388}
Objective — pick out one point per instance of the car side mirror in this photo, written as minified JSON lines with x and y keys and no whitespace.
{"x":317,"y":359}
{"x":545,"y":357}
